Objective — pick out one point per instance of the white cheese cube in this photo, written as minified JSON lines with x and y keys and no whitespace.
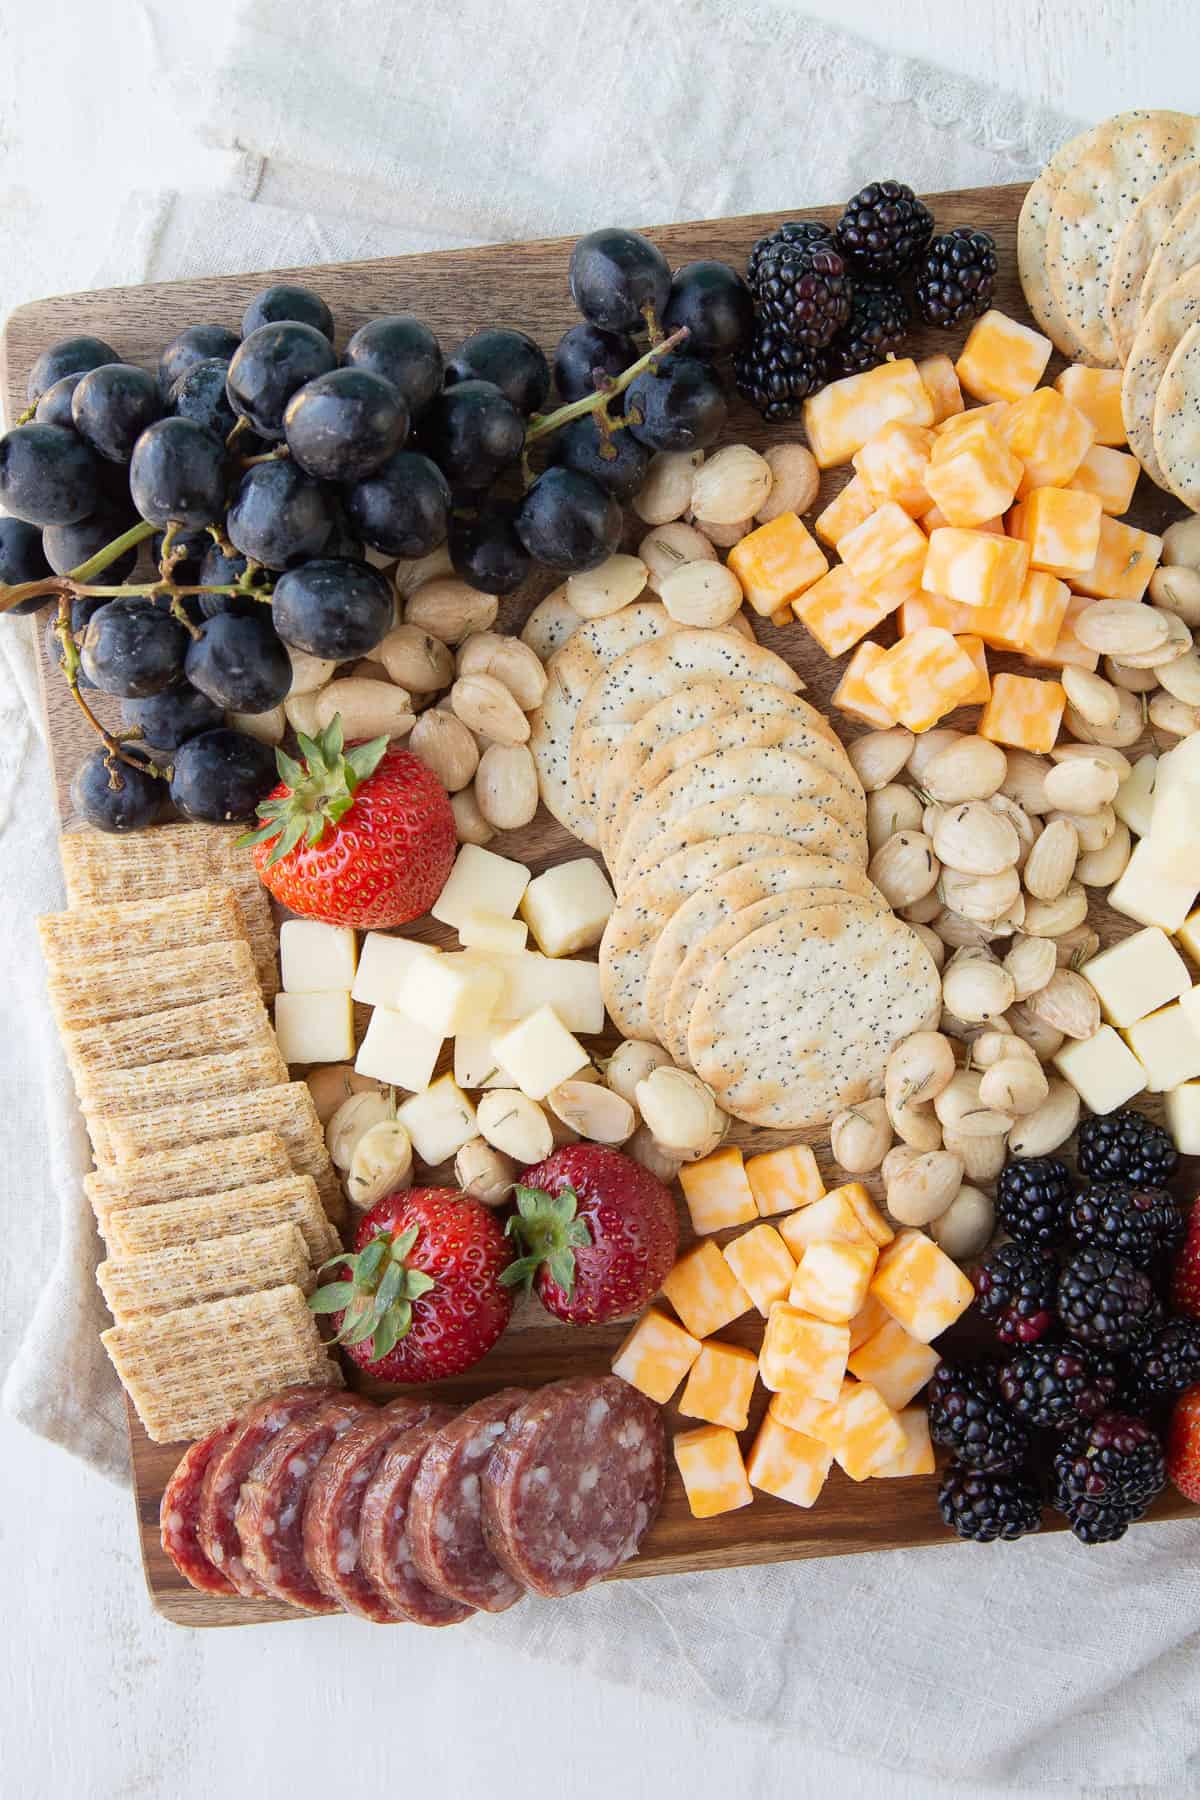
{"x":316,"y":958}
{"x":1174,"y":836}
{"x":488,"y":931}
{"x":532,"y":981}
{"x":382,"y":966}
{"x":315,"y":1028}
{"x":1183,"y":1118}
{"x":1134,"y":803}
{"x":1137,"y":976}
{"x":1167,"y":1044}
{"x":1148,"y":894}
{"x":449,"y":994}
{"x":541,"y":1052}
{"x":476,"y":1064}
{"x":1102,"y":1069}
{"x":480,"y":881}
{"x":398,"y":1051}
{"x":567,"y":907}
{"x":1189,"y":935}
{"x":439,"y":1121}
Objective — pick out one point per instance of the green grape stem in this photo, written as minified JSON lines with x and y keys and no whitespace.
{"x":112,"y":744}
{"x":542,"y":424}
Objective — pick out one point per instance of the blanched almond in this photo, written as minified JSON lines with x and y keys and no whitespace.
{"x":1177,"y":643}
{"x":1041,"y":1038}
{"x":1076,"y":947}
{"x":1176,"y":586}
{"x":973,"y":840}
{"x":1050,"y":918}
{"x":959,"y":932}
{"x":1126,"y":730}
{"x":448,"y":609}
{"x":1031,"y":962}
{"x":1129,"y":679}
{"x":967,"y":1225}
{"x":891,"y":809}
{"x":905,"y":868}
{"x":1025,"y":826}
{"x":1107,"y":754}
{"x":594,"y":1111}
{"x":929,"y":744}
{"x":922,"y":911}
{"x":1173,"y":716}
{"x":469,"y":823}
{"x":511,"y":662}
{"x":972,"y":769}
{"x":931,"y":941}
{"x":976,"y":987}
{"x":506,"y":786}
{"x":924,"y":1188}
{"x":879,"y":756}
{"x":485,"y":705}
{"x":1093,"y":830}
{"x":609,"y":588}
{"x":1100,"y":868}
{"x":1015,"y":1085}
{"x":1043,"y":1131}
{"x":1025,"y":780}
{"x":309,"y":673}
{"x":1081,"y":785}
{"x":368,"y":709}
{"x":703,"y":594}
{"x":731,"y":485}
{"x":1068,"y":1004}
{"x":1182,"y":678}
{"x":860,"y":1136}
{"x":1120,"y":627}
{"x":984,"y":898}
{"x":666,"y":492}
{"x":795,"y":481}
{"x":960,"y":1108}
{"x":1051,"y":862}
{"x":445,"y":745}
{"x":672,"y":546}
{"x":1092,"y":697}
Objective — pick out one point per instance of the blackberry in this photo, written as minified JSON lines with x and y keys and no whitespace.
{"x":1099,"y":1522}
{"x":1139,"y":1224}
{"x":1015,"y":1287}
{"x":803,"y":290}
{"x":879,"y":319}
{"x":986,"y":1505}
{"x":1163,"y":1364}
{"x":1053,"y":1386}
{"x":1033,"y":1199}
{"x":956,"y":277}
{"x":883,"y":229}
{"x":795,"y":232}
{"x":1116,"y":1460}
{"x":1126,"y":1146}
{"x":776,"y":376}
{"x":1106,"y":1301}
{"x":967,"y":1415}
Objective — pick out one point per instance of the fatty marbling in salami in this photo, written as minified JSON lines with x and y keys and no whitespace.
{"x":333,"y":1514}
{"x":270,"y":1509}
{"x":445,"y":1530}
{"x":573,"y":1486}
{"x":386,"y":1554}
{"x":256,"y":1429}
{"x":179,"y":1514}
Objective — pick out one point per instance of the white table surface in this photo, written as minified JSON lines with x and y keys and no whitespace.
{"x":98,"y":1696}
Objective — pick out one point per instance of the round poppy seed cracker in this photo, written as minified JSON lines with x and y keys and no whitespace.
{"x":732,"y":776}
{"x":765,"y":892}
{"x":1032,"y":226}
{"x":667,"y":718}
{"x":799,"y":822}
{"x":1168,"y":320}
{"x":633,"y":683}
{"x":645,"y":908}
{"x":798,"y":1019}
{"x":1177,"y":420}
{"x":1152,"y":218}
{"x":1178,"y":252}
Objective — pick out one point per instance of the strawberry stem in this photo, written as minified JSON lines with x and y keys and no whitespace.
{"x":547,"y":1232}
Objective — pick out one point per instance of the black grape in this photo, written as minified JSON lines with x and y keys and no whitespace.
{"x":199,"y":395}
{"x":715,"y":304}
{"x":81,"y":611}
{"x":333,"y":608}
{"x":279,"y":516}
{"x":22,"y":559}
{"x":485,"y":549}
{"x":239,"y":662}
{"x":172,"y":717}
{"x":132,"y":649}
{"x":54,"y":407}
{"x":219,"y":570}
{"x":67,"y":546}
{"x":123,"y":798}
{"x":71,"y":356}
{"x":619,"y":280}
{"x":219,"y":777}
{"x":112,"y":406}
{"x":473,"y":431}
{"x":194,"y":344}
{"x":401,"y":350}
{"x":582,"y":350}
{"x":509,"y":359}
{"x":195,"y":546}
{"x":403,"y":509}
{"x":178,"y":474}
{"x":268,"y":368}
{"x":343,"y":425}
{"x":47,"y":475}
{"x":568,"y":522}
{"x":680,"y":405}
{"x":285,"y":302}
{"x":578,"y":445}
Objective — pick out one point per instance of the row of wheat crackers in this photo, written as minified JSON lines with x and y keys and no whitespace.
{"x":212,"y":1188}
{"x":1109,"y":251}
{"x":746,"y":938}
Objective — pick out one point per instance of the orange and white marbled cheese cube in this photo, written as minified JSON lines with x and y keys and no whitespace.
{"x":1033,"y":624}
{"x":1023,"y":713}
{"x":719,"y":1385}
{"x":919,"y":1285}
{"x":831,"y":1280}
{"x":846,"y":414}
{"x":917,"y":1456}
{"x":894,"y":464}
{"x":976,"y":568}
{"x":896,"y":1365}
{"x":784,"y":1179}
{"x":787,"y":1464}
{"x":865,"y":1211}
{"x":941,"y":383}
{"x":1111,"y":475}
{"x":763,"y":1264}
{"x":848,"y":508}
{"x":705,"y":1292}
{"x":853,"y":696}
{"x":717,"y":1191}
{"x":974,"y":479}
{"x":923,"y":677}
{"x":981,"y":693}
{"x":710,"y":1466}
{"x":1125,"y":561}
{"x":838,"y":611}
{"x":934,"y":609}
{"x":656,"y":1355}
{"x":831,"y":1220}
{"x":799,"y":1351}
{"x":1050,"y":436}
{"x":1062,"y":529}
{"x":798,"y":1411}
{"x":1002,"y":359}
{"x":864,"y":1433}
{"x":886,"y":552}
{"x":1097,"y":394}
{"x":777,"y":562}
{"x":1068,"y":651}
{"x":964,"y":425}
{"x":867,"y":1321}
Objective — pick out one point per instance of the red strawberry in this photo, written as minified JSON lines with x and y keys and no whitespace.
{"x":423,"y":1297}
{"x":597,"y":1234}
{"x":365,"y":838}
{"x":1183,"y":1444}
{"x":1185,"y":1276}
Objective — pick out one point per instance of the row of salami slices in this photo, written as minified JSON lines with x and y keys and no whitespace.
{"x":417,"y":1511}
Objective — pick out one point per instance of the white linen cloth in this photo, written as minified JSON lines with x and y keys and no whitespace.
{"x":354,"y":131}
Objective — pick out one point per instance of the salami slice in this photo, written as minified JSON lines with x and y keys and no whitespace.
{"x":333,"y":1515}
{"x":386,"y":1554}
{"x":445,"y":1529}
{"x":572,"y":1488}
{"x":270,"y":1509}
{"x":179,"y":1514}
{"x":223,"y":1478}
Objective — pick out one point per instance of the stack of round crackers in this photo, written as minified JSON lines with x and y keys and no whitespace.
{"x":746,"y":938}
{"x":1109,"y":250}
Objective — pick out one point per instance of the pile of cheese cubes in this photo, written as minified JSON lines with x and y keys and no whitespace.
{"x":850,"y":1308}
{"x":989,"y":528}
{"x":512,"y":1012}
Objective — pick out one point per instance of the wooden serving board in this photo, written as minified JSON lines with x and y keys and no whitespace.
{"x":456,"y":292}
